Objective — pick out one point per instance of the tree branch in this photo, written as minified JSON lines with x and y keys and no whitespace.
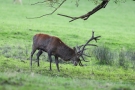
{"x":48,"y":13}
{"x":87,"y":15}
{"x":38,"y":2}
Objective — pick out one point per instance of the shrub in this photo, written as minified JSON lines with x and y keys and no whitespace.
{"x":104,"y":55}
{"x":131,"y":57}
{"x":124,"y":57}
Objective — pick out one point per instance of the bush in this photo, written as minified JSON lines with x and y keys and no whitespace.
{"x":122,"y":59}
{"x":126,"y":58}
{"x":104,"y":55}
{"x":131,"y":57}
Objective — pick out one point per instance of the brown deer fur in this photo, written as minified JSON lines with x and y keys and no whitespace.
{"x":53,"y":46}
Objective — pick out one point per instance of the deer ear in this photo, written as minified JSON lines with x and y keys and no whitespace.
{"x":74,"y":48}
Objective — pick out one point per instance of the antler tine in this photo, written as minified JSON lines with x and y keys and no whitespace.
{"x":80,"y":63}
{"x":78,"y":49}
{"x":80,"y":46}
{"x":84,"y":59}
{"x":87,"y":45}
{"x":95,"y":38}
{"x":79,"y":52}
{"x":92,"y":45}
{"x":86,"y":55}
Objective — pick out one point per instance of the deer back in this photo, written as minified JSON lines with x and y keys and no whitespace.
{"x":53,"y":45}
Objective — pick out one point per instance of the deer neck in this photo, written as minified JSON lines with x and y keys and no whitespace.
{"x":66,"y":53}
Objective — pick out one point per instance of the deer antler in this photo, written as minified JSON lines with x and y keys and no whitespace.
{"x":80,"y":52}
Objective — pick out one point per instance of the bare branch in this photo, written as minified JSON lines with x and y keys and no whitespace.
{"x":87,"y":15}
{"x":49,"y":13}
{"x":38,"y":2}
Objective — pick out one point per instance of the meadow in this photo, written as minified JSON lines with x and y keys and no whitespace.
{"x":115,"y":24}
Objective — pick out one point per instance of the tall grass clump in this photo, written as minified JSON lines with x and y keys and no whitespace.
{"x":104,"y":55}
{"x":131,"y":54}
{"x":133,"y":59}
{"x":121,"y":88}
{"x":127,"y":58}
{"x":123,"y":59}
{"x":19,"y":52}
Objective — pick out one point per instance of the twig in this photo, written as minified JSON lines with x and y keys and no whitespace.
{"x":38,"y":2}
{"x":49,"y":13}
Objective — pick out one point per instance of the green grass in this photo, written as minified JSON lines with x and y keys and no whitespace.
{"x":54,"y":83}
{"x":115,"y":24}
{"x":17,"y":74}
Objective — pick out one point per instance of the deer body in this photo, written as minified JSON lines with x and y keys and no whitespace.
{"x":53,"y":46}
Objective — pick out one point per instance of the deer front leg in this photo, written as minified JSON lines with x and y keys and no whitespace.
{"x":33,"y":51}
{"x":57,"y":63}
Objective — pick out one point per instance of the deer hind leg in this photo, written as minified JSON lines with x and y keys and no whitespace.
{"x":57,"y":63}
{"x":32,"y":53}
{"x":38,"y":55}
{"x":50,"y":58}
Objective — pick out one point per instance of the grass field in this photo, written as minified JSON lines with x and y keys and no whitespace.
{"x":115,"y":24}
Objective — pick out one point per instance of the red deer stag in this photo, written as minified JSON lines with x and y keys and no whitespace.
{"x":54,"y":46}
